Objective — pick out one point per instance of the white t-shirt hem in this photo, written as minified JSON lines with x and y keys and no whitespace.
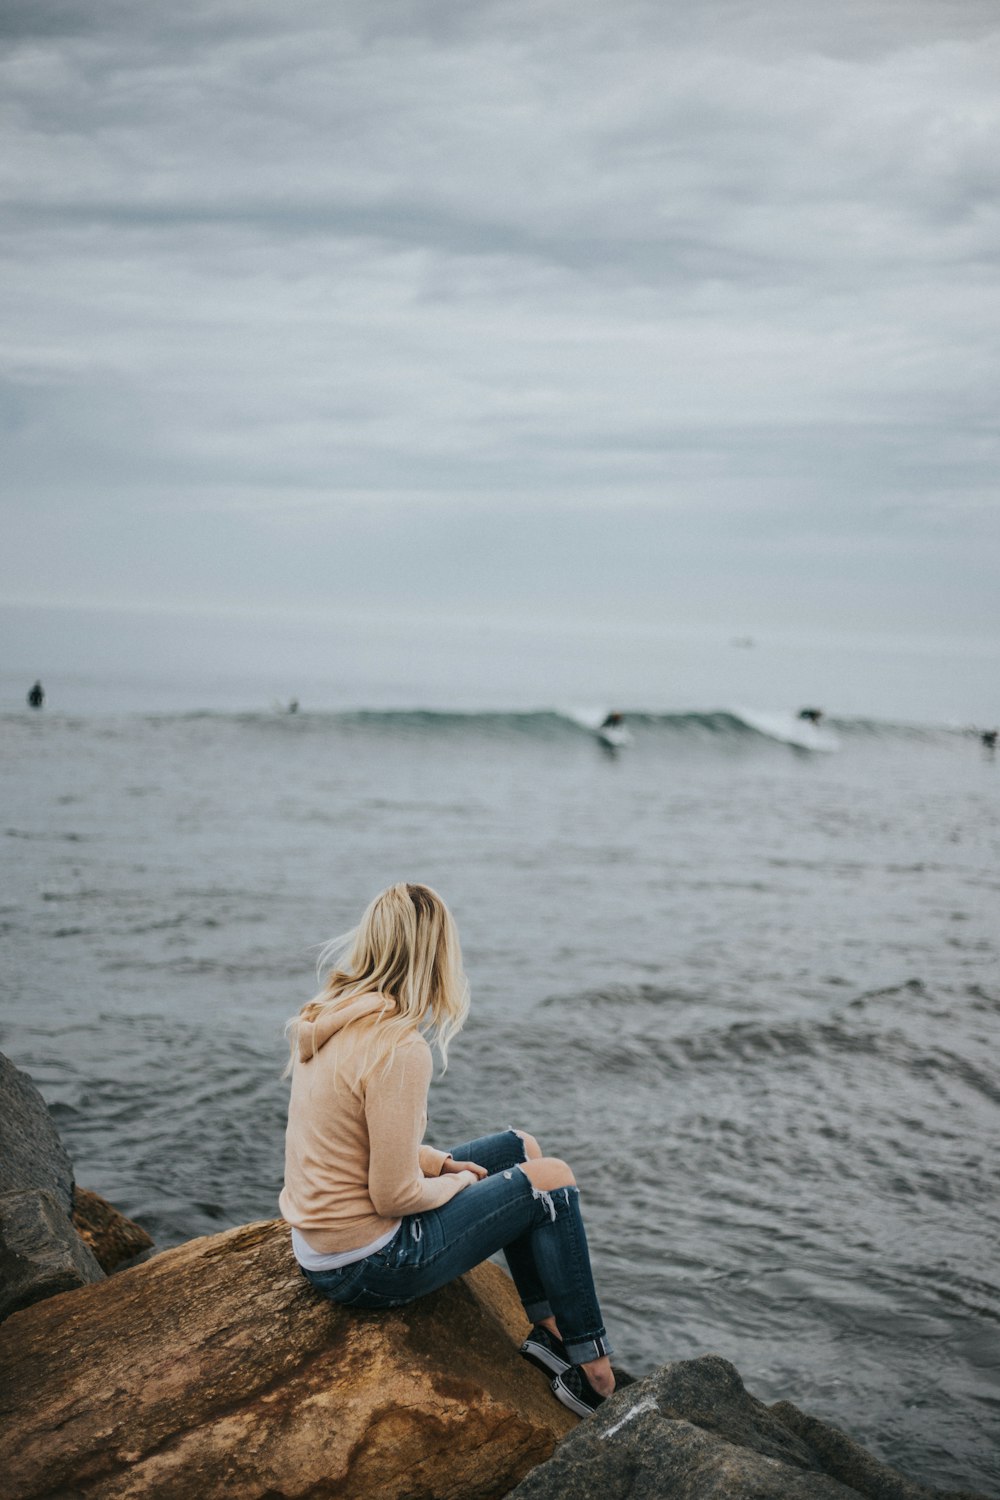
{"x":312,"y":1260}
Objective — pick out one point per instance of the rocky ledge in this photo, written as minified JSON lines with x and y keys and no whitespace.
{"x":691,"y":1431}
{"x":214,"y":1370}
{"x":53,"y":1235}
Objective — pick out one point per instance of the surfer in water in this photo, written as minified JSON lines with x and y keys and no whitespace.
{"x":36,"y":695}
{"x":613,"y":720}
{"x":377,"y":1218}
{"x":989,"y":738}
{"x":811,"y":715}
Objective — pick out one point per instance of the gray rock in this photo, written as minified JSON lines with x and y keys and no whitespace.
{"x":691,"y":1431}
{"x":40,"y":1251}
{"x":31,"y":1153}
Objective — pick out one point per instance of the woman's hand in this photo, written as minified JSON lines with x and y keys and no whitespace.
{"x":477,"y":1171}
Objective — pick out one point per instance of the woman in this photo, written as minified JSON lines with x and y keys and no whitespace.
{"x":379,"y":1219}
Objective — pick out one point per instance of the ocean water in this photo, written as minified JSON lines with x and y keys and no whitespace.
{"x":749,"y":990}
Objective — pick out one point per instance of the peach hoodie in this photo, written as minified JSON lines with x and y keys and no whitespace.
{"x":353,"y":1159}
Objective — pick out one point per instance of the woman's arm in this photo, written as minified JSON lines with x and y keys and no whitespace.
{"x":465,"y":1166}
{"x":395,"y":1109}
{"x":432,"y":1161}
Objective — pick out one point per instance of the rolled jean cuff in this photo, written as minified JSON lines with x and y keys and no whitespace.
{"x":582,"y":1351}
{"x":536,"y":1311}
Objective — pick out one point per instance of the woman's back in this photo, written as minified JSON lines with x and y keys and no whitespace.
{"x":354,"y":1163}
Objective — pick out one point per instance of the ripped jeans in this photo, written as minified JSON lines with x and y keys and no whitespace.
{"x":540,"y":1233}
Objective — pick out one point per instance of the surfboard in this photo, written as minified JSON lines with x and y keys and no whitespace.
{"x":789,"y":729}
{"x":615,"y":735}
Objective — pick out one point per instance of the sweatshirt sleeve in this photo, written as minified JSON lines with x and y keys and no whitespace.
{"x":395,"y":1109}
{"x":432,"y":1161}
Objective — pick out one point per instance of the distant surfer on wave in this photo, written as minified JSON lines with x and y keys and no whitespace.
{"x":811,"y":715}
{"x":379,"y":1219}
{"x":613,"y":720}
{"x":989,"y":738}
{"x":36,"y":695}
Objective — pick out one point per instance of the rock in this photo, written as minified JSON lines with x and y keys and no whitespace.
{"x":854,"y":1467}
{"x":41,"y":1253}
{"x":691,"y":1431}
{"x":214,"y":1370}
{"x":114,"y":1239}
{"x":31,"y":1153}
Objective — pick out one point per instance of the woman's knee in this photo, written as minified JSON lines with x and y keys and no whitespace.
{"x":532,"y":1150}
{"x":548,"y":1172}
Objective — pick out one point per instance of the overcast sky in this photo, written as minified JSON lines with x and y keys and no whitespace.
{"x":686,"y":312}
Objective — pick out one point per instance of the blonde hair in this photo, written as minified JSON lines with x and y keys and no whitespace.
{"x":406,"y":949}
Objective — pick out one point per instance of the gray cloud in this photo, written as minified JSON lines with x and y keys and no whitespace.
{"x":543,"y":292}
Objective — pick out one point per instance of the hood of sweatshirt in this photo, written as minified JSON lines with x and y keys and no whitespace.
{"x":318,"y":1023}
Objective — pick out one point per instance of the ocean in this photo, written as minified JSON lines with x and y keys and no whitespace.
{"x":748,"y":988}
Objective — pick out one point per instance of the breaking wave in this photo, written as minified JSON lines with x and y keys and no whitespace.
{"x":704,"y":726}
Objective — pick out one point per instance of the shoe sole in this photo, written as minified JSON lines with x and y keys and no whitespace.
{"x":572,"y":1402}
{"x":544,"y":1359}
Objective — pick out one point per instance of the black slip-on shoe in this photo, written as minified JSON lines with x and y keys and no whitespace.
{"x":574,"y":1390}
{"x":545,"y":1351}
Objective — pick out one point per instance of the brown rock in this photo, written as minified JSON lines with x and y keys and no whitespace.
{"x":214,"y":1370}
{"x":112,"y":1237}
